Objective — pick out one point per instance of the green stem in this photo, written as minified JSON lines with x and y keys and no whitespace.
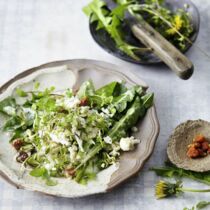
{"x":157,"y":4}
{"x":91,"y":154}
{"x":52,"y":94}
{"x":193,"y":190}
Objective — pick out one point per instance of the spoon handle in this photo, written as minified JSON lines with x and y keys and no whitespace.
{"x":169,"y":54}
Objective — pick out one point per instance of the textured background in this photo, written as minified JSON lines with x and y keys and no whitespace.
{"x":33,"y":32}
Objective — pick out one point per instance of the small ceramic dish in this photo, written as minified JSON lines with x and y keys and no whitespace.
{"x":104,"y":40}
{"x":182,"y":136}
{"x":67,"y":74}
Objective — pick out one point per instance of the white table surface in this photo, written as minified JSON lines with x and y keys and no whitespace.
{"x":33,"y":32}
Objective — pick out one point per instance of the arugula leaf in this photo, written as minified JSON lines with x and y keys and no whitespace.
{"x":110,"y":22}
{"x":51,"y":182}
{"x":21,"y":92}
{"x":9,"y":110}
{"x":148,"y":100}
{"x":131,"y":117}
{"x":96,"y":8}
{"x":116,"y":34}
{"x":46,"y":103}
{"x":86,"y":89}
{"x":36,"y":85}
{"x":99,"y":101}
{"x":13,"y":123}
{"x":102,"y":96}
{"x":69,"y":93}
{"x":172,"y":171}
{"x":86,"y":173}
{"x":28,"y":116}
{"x":43,"y":173}
{"x":42,"y":94}
{"x":32,"y":161}
{"x":119,"y":11}
{"x":7,"y":102}
{"x":38,"y":172}
{"x":17,"y":133}
{"x":79,"y":174}
{"x":110,"y":89}
{"x":120,"y":103}
{"x":200,"y":205}
{"x":90,"y":154}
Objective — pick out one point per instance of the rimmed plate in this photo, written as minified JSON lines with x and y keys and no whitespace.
{"x":103,"y":39}
{"x":62,"y":75}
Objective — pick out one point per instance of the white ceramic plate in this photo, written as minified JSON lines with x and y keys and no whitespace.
{"x":67,"y":74}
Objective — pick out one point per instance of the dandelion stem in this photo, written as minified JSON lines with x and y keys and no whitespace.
{"x":193,"y":190}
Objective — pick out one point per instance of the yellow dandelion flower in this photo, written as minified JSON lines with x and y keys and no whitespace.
{"x":178,"y":22}
{"x":177,"y":25}
{"x":166,"y":189}
{"x":160,"y":190}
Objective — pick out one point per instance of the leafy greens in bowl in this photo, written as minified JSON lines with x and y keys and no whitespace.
{"x":177,"y":21}
{"x":71,"y":133}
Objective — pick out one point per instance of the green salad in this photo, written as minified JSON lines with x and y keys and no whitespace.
{"x":73,"y":134}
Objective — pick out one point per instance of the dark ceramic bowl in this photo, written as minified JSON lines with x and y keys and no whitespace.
{"x":107,"y":43}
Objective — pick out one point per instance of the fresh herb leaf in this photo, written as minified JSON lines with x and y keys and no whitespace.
{"x":36,"y":85}
{"x":99,"y":100}
{"x":86,"y":89}
{"x":46,"y":103}
{"x":90,"y":154}
{"x":131,"y":117}
{"x":172,"y":171}
{"x":110,"y":89}
{"x":38,"y":172}
{"x":51,"y":182}
{"x":120,"y":102}
{"x":21,"y":92}
{"x":13,"y":123}
{"x":17,"y":133}
{"x":110,"y":22}
{"x":7,"y":102}
{"x":102,"y":96}
{"x":9,"y":110}
{"x":69,"y":93}
{"x":42,"y":172}
{"x":32,"y":161}
{"x":148,"y":100}
{"x":200,"y":205}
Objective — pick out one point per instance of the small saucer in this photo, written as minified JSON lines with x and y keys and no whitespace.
{"x":182,"y":136}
